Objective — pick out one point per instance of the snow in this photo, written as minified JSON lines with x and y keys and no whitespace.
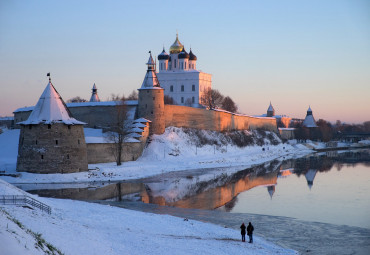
{"x":172,"y":151}
{"x":309,"y":121}
{"x":95,"y":136}
{"x":76,"y":227}
{"x":138,"y":125}
{"x":136,"y":129}
{"x":141,"y":120}
{"x":50,"y":109}
{"x":6,"y":118}
{"x":81,"y":104}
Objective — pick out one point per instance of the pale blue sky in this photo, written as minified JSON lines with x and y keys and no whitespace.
{"x":294,"y":53}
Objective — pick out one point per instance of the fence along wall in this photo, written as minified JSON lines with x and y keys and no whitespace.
{"x":183,"y":116}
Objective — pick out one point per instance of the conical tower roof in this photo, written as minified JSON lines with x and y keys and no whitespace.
{"x":150,"y":79}
{"x":309,"y":121}
{"x":50,"y":109}
{"x":94,"y":95}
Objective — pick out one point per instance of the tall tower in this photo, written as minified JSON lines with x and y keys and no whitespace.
{"x":270,"y":111}
{"x":94,"y":94}
{"x":151,"y":100}
{"x":51,"y":140}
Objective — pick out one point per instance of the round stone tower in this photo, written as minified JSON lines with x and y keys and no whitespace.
{"x":151,"y":100}
{"x":51,"y":140}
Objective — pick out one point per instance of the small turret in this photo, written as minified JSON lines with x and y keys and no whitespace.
{"x":151,"y":100}
{"x":270,"y":111}
{"x":94,"y":94}
{"x":309,"y":121}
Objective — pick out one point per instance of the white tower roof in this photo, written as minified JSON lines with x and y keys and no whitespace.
{"x":94,"y":95}
{"x":50,"y":109}
{"x":150,"y":79}
{"x":309,"y":121}
{"x":310,"y":176}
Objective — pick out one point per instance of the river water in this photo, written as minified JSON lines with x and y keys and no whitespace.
{"x":318,"y":204}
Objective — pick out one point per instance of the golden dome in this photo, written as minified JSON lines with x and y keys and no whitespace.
{"x":176,"y":47}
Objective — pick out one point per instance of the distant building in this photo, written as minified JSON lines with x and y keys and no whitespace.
{"x":270,"y":111}
{"x":179,"y":77}
{"x":94,"y":95}
{"x":51,"y":140}
{"x":309,"y":121}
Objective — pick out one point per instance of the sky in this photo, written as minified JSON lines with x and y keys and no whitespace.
{"x":295,"y":54}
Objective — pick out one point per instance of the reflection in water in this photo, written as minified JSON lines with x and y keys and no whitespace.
{"x":215,"y":188}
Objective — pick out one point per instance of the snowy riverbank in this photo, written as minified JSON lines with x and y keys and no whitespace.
{"x":172,"y":151}
{"x":76,"y":227}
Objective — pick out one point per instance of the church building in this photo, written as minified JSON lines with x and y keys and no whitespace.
{"x":179,"y":77}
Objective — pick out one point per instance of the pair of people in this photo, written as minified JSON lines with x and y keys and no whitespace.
{"x":250,"y":229}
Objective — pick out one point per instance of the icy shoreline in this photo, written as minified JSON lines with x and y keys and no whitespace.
{"x":137,"y":232}
{"x":172,"y":151}
{"x":76,"y":227}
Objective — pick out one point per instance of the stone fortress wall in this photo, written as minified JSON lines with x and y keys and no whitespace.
{"x":183,"y":116}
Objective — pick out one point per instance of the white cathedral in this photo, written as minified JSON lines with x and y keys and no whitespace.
{"x":179,"y":77}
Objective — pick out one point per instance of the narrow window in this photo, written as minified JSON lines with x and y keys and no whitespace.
{"x":42,"y":156}
{"x":49,"y":126}
{"x":36,"y":142}
{"x":78,"y":141}
{"x":56,"y":142}
{"x":69,"y":126}
{"x":193,"y":87}
{"x":67,"y":156}
{"x":171,"y":88}
{"x":182,"y":100}
{"x":182,"y":88}
{"x":193,"y":100}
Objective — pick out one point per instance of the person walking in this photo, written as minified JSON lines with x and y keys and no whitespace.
{"x":243,"y":227}
{"x":250,"y":229}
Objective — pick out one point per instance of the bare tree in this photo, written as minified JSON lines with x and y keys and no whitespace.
{"x":76,"y":99}
{"x":229,"y":105}
{"x":212,"y":98}
{"x":188,"y":102}
{"x":168,"y":100}
{"x":116,"y":97}
{"x":133,"y":96}
{"x":118,"y":129}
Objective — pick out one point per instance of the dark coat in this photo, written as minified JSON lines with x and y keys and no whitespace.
{"x":250,"y":229}
{"x":243,"y":227}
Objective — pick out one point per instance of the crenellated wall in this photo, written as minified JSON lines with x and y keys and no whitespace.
{"x":183,"y":116}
